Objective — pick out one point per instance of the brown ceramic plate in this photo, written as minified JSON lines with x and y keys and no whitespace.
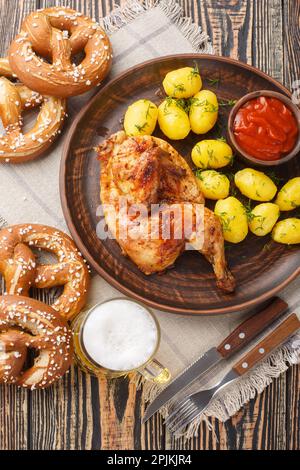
{"x":260,"y":266}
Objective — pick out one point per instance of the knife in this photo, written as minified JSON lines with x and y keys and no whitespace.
{"x":239,"y":338}
{"x":189,"y":408}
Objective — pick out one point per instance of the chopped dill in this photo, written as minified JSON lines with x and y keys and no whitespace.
{"x":150,"y":106}
{"x":267,"y":247}
{"x":180,"y":103}
{"x":199,"y":175}
{"x":261,"y":221}
{"x":209,"y":107}
{"x":227,"y":102}
{"x":183,"y":104}
{"x":233,"y":191}
{"x":141,"y":128}
{"x":195,"y":71}
{"x":249,"y":213}
{"x":178,"y":87}
{"x":213,"y":81}
{"x":226,"y":220}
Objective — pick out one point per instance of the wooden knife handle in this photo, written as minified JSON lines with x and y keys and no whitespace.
{"x":274,"y":339}
{"x":251,"y":327}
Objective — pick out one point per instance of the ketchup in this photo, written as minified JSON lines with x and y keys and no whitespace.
{"x":265,"y":128}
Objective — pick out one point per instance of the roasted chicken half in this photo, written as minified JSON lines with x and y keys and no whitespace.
{"x":148,"y":171}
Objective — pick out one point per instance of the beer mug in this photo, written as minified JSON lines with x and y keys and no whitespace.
{"x":117,"y":337}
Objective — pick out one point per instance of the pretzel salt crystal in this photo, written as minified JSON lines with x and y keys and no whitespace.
{"x":29,"y":324}
{"x":21,"y":271}
{"x":15,"y":98}
{"x":57,"y":34}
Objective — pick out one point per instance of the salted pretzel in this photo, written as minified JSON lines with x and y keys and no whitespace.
{"x":21,"y":270}
{"x":29,"y":324}
{"x":57,"y":34}
{"x":15,"y":98}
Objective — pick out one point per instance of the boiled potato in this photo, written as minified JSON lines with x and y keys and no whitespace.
{"x":213,"y":185}
{"x":182,"y":83}
{"x":263,"y":218}
{"x":288,"y":197}
{"x":173,"y":120}
{"x":203,"y":111}
{"x":140,"y":118}
{"x":212,"y":154}
{"x":233,"y":216}
{"x":255,"y":185}
{"x":287,"y":231}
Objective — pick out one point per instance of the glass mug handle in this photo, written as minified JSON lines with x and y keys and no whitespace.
{"x":155,"y":372}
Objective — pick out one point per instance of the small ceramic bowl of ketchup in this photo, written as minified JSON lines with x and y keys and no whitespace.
{"x":264,"y":128}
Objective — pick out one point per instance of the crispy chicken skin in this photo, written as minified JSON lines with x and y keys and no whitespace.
{"x":147,"y":170}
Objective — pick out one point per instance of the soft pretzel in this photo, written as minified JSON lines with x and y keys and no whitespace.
{"x":57,"y":34}
{"x":21,"y":271}
{"x":29,"y":324}
{"x":16,"y":147}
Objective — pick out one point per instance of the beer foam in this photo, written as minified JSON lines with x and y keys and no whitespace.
{"x":120,"y":335}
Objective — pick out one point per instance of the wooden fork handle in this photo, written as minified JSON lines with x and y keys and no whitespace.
{"x":251,"y":327}
{"x":274,"y":339}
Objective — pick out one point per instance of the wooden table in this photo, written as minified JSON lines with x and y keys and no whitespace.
{"x":82,"y":413}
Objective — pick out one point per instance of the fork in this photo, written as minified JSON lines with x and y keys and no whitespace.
{"x":190,"y":408}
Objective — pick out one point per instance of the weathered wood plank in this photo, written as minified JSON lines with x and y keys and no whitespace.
{"x":14,"y":403}
{"x":117,"y":405}
{"x":12,"y":13}
{"x":67,"y":411}
{"x":229,"y":25}
{"x":14,"y":406}
{"x":267,"y":38}
{"x":293,"y":408}
{"x":291,"y":43}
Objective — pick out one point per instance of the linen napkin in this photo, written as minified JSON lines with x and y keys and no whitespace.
{"x":30,"y":193}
